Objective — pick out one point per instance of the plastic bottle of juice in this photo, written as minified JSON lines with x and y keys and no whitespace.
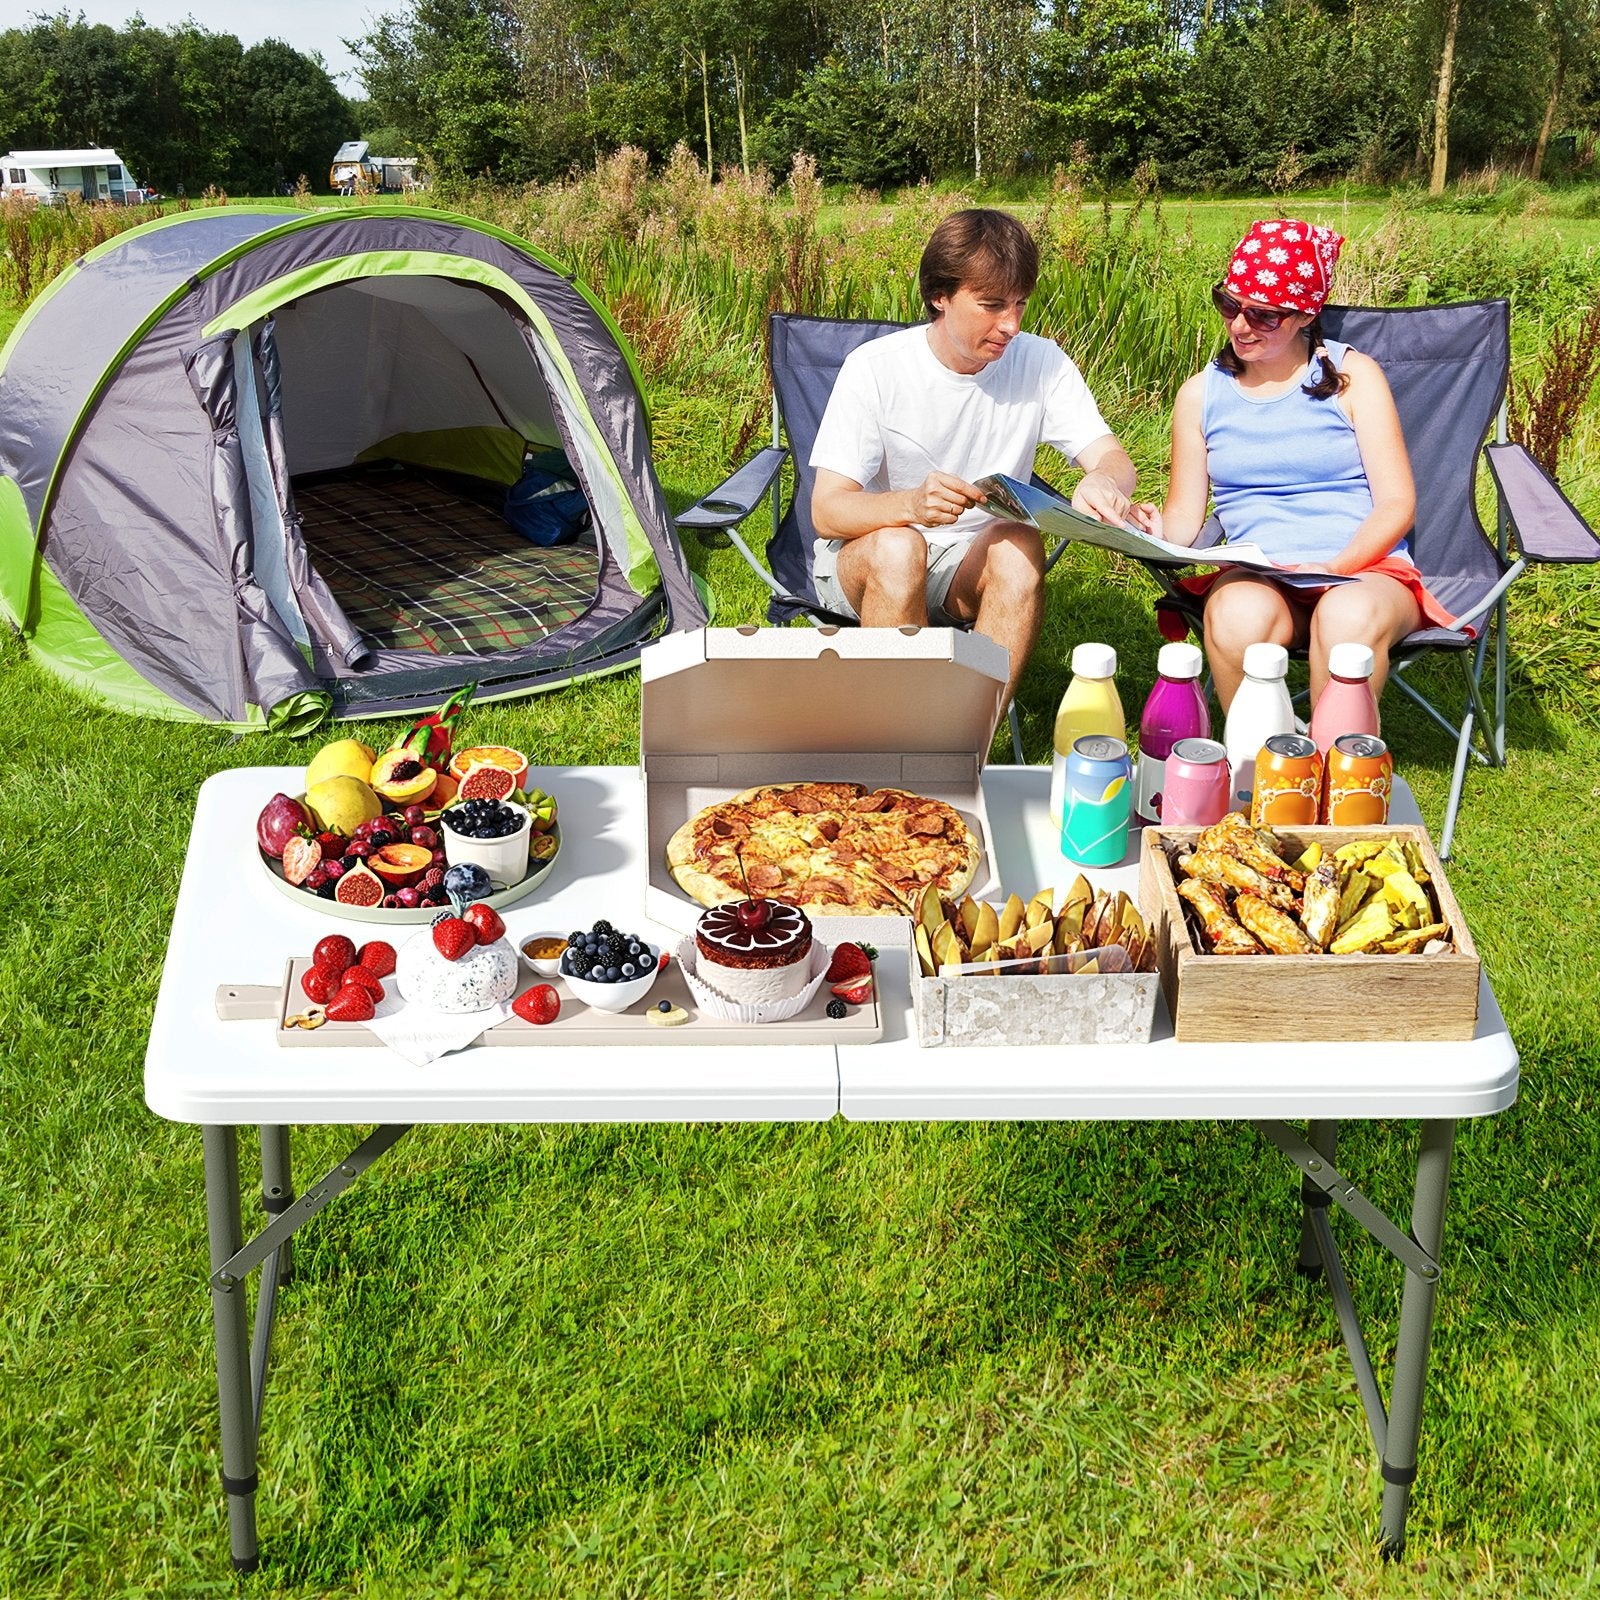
{"x":1090,"y":705}
{"x":1175,"y":710}
{"x":1260,"y":709}
{"x":1345,"y":704}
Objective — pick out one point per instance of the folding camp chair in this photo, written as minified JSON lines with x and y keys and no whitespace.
{"x":806,"y":354}
{"x":1448,"y":368}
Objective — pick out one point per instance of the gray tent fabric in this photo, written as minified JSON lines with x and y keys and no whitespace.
{"x":273,"y":669}
{"x":120,"y":425}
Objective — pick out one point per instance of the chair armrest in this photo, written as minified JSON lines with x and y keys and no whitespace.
{"x":738,"y":494}
{"x":1545,"y":524}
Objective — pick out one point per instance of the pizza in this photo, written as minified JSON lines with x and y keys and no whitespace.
{"x":833,"y":849}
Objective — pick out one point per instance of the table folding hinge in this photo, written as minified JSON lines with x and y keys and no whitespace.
{"x":1326,"y":1179}
{"x":328,"y":1187}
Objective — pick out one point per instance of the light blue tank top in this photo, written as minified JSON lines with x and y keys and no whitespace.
{"x":1285,"y":473}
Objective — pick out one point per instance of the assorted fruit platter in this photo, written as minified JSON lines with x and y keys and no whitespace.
{"x":390,"y":836}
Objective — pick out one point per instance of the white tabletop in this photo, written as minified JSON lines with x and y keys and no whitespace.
{"x":233,"y":925}
{"x":897,"y":1078}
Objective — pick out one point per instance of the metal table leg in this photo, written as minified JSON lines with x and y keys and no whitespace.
{"x":233,"y":1344}
{"x":277,"y":1191}
{"x":1399,"y":1464}
{"x":1323,"y":1137}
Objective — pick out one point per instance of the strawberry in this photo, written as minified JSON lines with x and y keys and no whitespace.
{"x":359,"y":977}
{"x":351,"y":1005}
{"x":485,"y":921}
{"x":453,"y":938}
{"x":320,"y":985}
{"x":334,"y":952}
{"x":850,"y":961}
{"x":661,"y":965}
{"x":539,"y":1004}
{"x":377,"y":957}
{"x":855,"y":991}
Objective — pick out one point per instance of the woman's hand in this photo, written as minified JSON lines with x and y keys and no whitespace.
{"x":1147,"y":518}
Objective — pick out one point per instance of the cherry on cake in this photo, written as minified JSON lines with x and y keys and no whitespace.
{"x":753,"y":952}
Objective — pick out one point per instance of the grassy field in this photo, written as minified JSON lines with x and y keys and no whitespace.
{"x":1013,"y":1360}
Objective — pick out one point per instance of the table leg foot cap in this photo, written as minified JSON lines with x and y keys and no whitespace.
{"x":1309,"y":1273}
{"x":246,"y":1563}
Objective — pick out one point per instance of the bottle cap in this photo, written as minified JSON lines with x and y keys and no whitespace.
{"x":1266,"y":661}
{"x":1094,"y":661}
{"x":1350,"y":661}
{"x":1180,"y":660}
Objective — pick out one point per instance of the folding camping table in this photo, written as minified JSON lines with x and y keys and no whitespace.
{"x":232,"y":925}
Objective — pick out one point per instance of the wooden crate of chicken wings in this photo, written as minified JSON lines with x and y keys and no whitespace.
{"x":1317,"y":996}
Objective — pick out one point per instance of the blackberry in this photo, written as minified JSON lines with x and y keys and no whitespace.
{"x":602,"y":926}
{"x":614,"y":948}
{"x":838,"y":1010}
{"x":578,"y":962}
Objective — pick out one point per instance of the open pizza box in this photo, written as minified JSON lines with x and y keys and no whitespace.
{"x":727,"y":709}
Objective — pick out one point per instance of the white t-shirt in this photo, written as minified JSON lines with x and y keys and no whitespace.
{"x":898,"y":413}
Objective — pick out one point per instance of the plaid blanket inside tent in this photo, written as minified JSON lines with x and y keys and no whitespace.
{"x":423,"y":560}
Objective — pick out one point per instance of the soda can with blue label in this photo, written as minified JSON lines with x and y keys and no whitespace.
{"x":1098,"y":802}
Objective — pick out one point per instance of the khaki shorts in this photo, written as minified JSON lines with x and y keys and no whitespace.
{"x":942,"y":563}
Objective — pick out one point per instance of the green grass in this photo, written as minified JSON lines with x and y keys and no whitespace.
{"x":1016,"y":1360}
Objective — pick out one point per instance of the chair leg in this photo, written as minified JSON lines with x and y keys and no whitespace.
{"x":1016,"y":734}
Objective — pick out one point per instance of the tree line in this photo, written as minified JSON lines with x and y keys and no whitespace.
{"x":1220,"y":93}
{"x":187,"y":109}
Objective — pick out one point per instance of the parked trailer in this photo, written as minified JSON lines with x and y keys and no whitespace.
{"x":50,"y":176}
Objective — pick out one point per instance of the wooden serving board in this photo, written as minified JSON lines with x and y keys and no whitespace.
{"x":577,"y":1024}
{"x":1220,"y":999}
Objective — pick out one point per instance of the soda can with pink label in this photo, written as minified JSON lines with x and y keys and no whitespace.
{"x":1195,"y":792}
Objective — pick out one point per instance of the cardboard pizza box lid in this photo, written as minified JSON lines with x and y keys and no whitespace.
{"x":782,"y":690}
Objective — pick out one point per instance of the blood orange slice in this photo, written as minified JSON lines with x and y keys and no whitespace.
{"x":487,"y":782}
{"x":494,"y":755}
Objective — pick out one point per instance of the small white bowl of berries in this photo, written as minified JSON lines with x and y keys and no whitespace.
{"x":609,"y":969}
{"x":492,"y":834}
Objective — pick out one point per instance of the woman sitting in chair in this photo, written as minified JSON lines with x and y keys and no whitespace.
{"x":1296,"y":440}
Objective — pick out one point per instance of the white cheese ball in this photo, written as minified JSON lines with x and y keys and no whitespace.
{"x":483,"y":977}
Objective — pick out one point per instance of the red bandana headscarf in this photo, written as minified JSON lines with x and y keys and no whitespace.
{"x":1285,"y":263}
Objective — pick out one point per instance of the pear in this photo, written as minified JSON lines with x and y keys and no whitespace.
{"x":341,"y":804}
{"x":344,"y":758}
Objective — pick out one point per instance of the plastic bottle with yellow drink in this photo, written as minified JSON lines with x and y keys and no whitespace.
{"x":1090,"y":706}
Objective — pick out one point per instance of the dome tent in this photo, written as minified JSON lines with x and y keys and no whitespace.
{"x":252,"y":459}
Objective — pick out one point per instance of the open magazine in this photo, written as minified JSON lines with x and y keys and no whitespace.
{"x":1026,"y":502}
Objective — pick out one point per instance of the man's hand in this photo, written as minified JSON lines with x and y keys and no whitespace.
{"x":941,"y":498}
{"x":1097,"y":495}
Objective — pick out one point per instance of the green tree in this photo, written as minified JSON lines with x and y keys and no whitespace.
{"x":1107,"y":68}
{"x":294,"y":118}
{"x":446,"y":73}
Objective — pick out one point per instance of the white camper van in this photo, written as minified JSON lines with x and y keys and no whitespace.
{"x":48,"y":176}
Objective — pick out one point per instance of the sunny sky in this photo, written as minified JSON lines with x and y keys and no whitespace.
{"x":317,"y":26}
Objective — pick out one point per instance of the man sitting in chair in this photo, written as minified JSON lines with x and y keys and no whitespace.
{"x":917,"y":414}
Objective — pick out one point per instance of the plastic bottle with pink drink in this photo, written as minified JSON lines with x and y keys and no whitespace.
{"x":1346,"y":704}
{"x":1176,"y":709}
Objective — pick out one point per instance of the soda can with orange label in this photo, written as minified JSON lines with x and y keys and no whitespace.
{"x":1288,"y":788}
{"x":1360,"y":780}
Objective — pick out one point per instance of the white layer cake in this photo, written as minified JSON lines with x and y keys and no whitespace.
{"x":754,"y":963}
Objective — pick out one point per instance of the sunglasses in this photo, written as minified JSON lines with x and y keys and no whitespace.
{"x":1229,"y":308}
